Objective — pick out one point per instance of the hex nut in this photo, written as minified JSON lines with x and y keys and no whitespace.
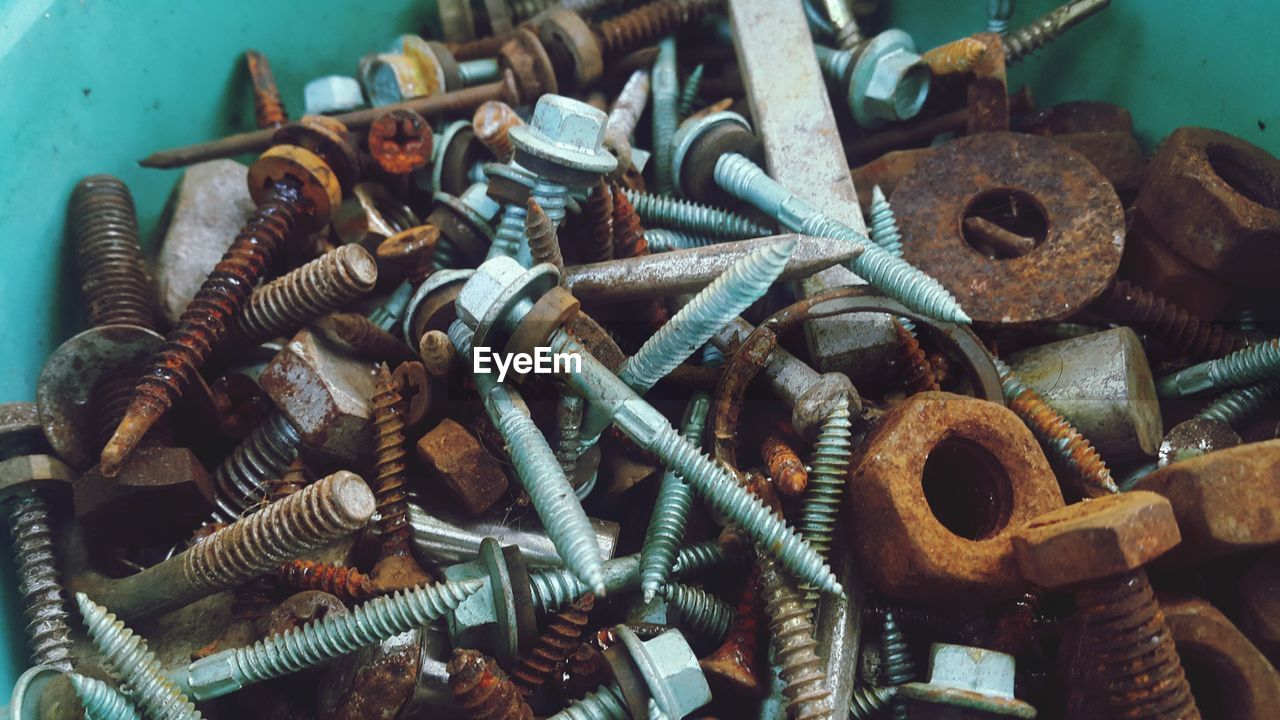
{"x":1095,"y":538}
{"x":159,"y":494}
{"x":324,"y":394}
{"x":332,"y":94}
{"x":1215,"y":200}
{"x":1224,"y":502}
{"x":906,"y":548}
{"x":457,"y":459}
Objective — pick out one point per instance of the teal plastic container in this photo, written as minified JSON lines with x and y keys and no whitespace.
{"x":91,"y":86}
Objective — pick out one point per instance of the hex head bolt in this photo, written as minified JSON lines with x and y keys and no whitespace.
{"x":321,"y":640}
{"x":518,"y":310}
{"x":1242,"y":367}
{"x":539,"y":471}
{"x":969,"y":680}
{"x":101,"y":701}
{"x":660,"y":674}
{"x":128,"y":657}
{"x":311,"y":518}
{"x":482,"y":690}
{"x":794,"y":646}
{"x":1098,"y":548}
{"x":1021,"y":43}
{"x":885,"y":80}
{"x":999,"y":12}
{"x":24,"y":482}
{"x":268,"y":107}
{"x":747,"y":181}
{"x":296,"y":185}
{"x":671,"y":509}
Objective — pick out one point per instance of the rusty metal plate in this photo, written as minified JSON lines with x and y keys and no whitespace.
{"x":1229,"y":677}
{"x":1045,"y":191}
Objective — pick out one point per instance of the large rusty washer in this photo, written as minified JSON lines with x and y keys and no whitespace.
{"x":1064,"y":272}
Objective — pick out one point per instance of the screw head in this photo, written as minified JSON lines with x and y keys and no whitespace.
{"x":890,"y":81}
{"x":670,"y":670}
{"x":496,"y":298}
{"x":564,"y":141}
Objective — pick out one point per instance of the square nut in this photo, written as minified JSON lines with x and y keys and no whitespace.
{"x":1093,"y":539}
{"x":461,"y":462}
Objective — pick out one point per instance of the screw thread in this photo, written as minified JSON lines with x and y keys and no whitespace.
{"x":849,"y":35}
{"x":999,"y":12}
{"x":629,"y":105}
{"x":329,"y":637}
{"x":703,"y":613}
{"x":544,"y":245}
{"x":554,"y":588}
{"x":897,"y":666}
{"x":1242,"y":367}
{"x":866,"y":701}
{"x":127,"y":656}
{"x":113,"y":275}
{"x":387,"y":315}
{"x":509,"y":237}
{"x":955,"y":57}
{"x":37,"y":572}
{"x":310,"y":518}
{"x":569,"y":411}
{"x":558,"y":641}
{"x":1235,"y":406}
{"x":920,"y":375}
{"x":689,"y":92}
{"x":670,"y":510}
{"x":821,"y":502}
{"x":203,"y":323}
{"x":893,"y":276}
{"x":482,"y":690}
{"x":1021,"y":43}
{"x":360,"y":336}
{"x":100,"y":700}
{"x":666,"y":92}
{"x":1183,"y":332}
{"x":110,"y":398}
{"x":345,"y":583}
{"x":268,"y":107}
{"x":389,"y":466}
{"x":664,"y":240}
{"x":606,"y":703}
{"x":1056,"y":433}
{"x":540,"y":474}
{"x":1136,"y":662}
{"x":696,"y":560}
{"x":784,"y":464}
{"x":884,"y":225}
{"x":266,"y":453}
{"x":287,"y":303}
{"x":492,"y":122}
{"x":834,"y":64}
{"x":628,"y":232}
{"x":597,"y":217}
{"x":646,"y":24}
{"x":552,"y":198}
{"x":804,"y":681}
{"x":693,"y":217}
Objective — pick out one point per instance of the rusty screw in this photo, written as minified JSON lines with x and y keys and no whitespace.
{"x":396,"y":567}
{"x":492,"y":123}
{"x":785,"y":466}
{"x":559,"y":640}
{"x":400,"y":141}
{"x":482,"y":690}
{"x":267,"y":105}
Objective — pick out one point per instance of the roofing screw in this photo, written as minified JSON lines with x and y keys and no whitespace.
{"x":884,"y":81}
{"x":1056,"y":433}
{"x":396,"y":567}
{"x":559,"y":639}
{"x":113,"y":275}
{"x":563,"y":148}
{"x":670,"y":509}
{"x":310,"y":518}
{"x":126,"y":655}
{"x":101,"y":701}
{"x":492,"y":123}
{"x":1242,"y":367}
{"x":295,"y":188}
{"x":747,"y":181}
{"x":569,"y":412}
{"x":678,"y":214}
{"x":662,"y":240}
{"x":702,"y":612}
{"x":27,"y":515}
{"x":689,"y":92}
{"x":265,"y":454}
{"x":268,"y":108}
{"x":345,"y":583}
{"x":999,"y":12}
{"x":666,"y":90}
{"x":1020,"y":43}
{"x":482,"y":690}
{"x":895,"y":660}
{"x":287,"y":303}
{"x":497,"y":299}
{"x":972,"y":680}
{"x":539,"y":472}
{"x":830,"y":469}
{"x":513,"y":186}
{"x":554,"y":588}
{"x":793,"y":645}
{"x":955,"y":57}
{"x":1235,"y":406}
{"x":1181,"y":331}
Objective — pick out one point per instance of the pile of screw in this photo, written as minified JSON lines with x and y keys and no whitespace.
{"x":530,"y":390}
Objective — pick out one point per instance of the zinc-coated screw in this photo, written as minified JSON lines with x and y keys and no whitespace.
{"x":113,"y":275}
{"x":308,"y":519}
{"x":689,"y":92}
{"x":388,"y":314}
{"x":666,"y":92}
{"x":711,"y":309}
{"x":830,"y":468}
{"x":747,"y":181}
{"x":670,"y":509}
{"x":1020,"y":43}
{"x":702,"y":612}
{"x":805,"y":682}
{"x":126,"y":655}
{"x":569,"y":412}
{"x":287,"y":303}
{"x":540,"y":473}
{"x":895,"y":660}
{"x":848,"y":34}
{"x":101,"y":701}
{"x":999,"y":12}
{"x":1056,"y":433}
{"x":680,"y":214}
{"x":27,"y":515}
{"x":663,"y":240}
{"x":560,"y":638}
{"x":321,"y":640}
{"x":509,"y":236}
{"x":1235,"y":406}
{"x":482,"y":690}
{"x":1242,"y":367}
{"x":834,"y":64}
{"x":605,"y":703}
{"x":884,"y":226}
{"x":566,"y":138}
{"x":265,"y":454}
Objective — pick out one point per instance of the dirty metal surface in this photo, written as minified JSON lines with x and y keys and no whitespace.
{"x":458,"y":460}
{"x":1083,"y":226}
{"x":988,"y":91}
{"x":400,"y":141}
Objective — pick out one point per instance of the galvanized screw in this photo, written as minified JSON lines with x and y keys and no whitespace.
{"x":666,"y":90}
{"x":830,"y":470}
{"x":692,"y":217}
{"x":999,"y":12}
{"x":1021,"y":43}
{"x":663,"y":240}
{"x":689,"y":92}
{"x":101,"y":701}
{"x":1242,"y":367}
{"x":895,"y":660}
{"x":747,"y":181}
{"x":1235,"y":406}
{"x":703,"y":613}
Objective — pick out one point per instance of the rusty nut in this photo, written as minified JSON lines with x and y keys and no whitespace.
{"x":457,"y":458}
{"x":160,"y":494}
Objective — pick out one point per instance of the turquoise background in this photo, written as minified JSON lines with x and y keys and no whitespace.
{"x":89,"y":86}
